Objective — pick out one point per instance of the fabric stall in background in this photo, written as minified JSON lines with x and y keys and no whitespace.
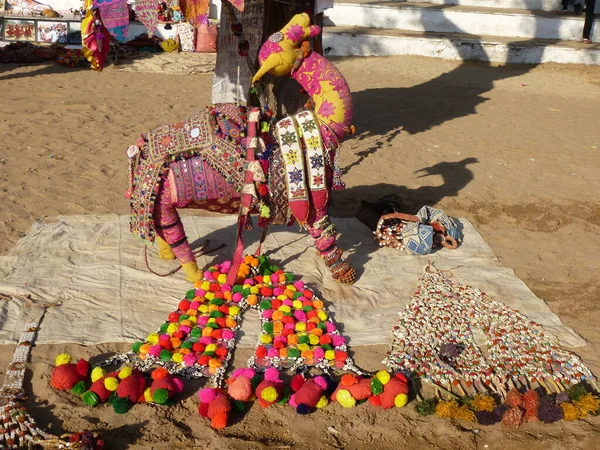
{"x":115,"y":16}
{"x":186,"y":36}
{"x":147,"y":13}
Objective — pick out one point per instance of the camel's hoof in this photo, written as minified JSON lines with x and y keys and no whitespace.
{"x":166,"y":254}
{"x":343,"y":272}
{"x":192,"y":273}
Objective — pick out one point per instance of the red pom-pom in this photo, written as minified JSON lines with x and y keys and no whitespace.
{"x":263,"y":190}
{"x":260,"y":351}
{"x":224,"y":309}
{"x":203,"y":360}
{"x":288,"y":319}
{"x":132,"y":387}
{"x":312,"y":313}
{"x":340,"y":355}
{"x":179,"y":334}
{"x":287,"y":331}
{"x":217,"y":334}
{"x":311,"y":326}
{"x":297,"y":382}
{"x":100,"y":390}
{"x":266,"y":292}
{"x":213,"y":287}
{"x":375,"y":400}
{"x":173,"y":317}
{"x":65,"y":376}
{"x":83,"y":367}
{"x":198,"y":347}
{"x":184,"y":305}
{"x":221,"y":321}
{"x":325,"y":339}
{"x":308,"y":294}
{"x":276,"y":303}
{"x":158,"y":373}
{"x":514,"y":398}
{"x":219,"y":294}
{"x":278,"y":344}
{"x":222,"y":351}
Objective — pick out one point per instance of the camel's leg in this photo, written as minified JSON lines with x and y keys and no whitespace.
{"x":323,"y":231}
{"x":170,"y":229}
{"x":164,"y":249}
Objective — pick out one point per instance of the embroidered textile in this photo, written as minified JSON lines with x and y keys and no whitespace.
{"x":186,"y":36}
{"x":196,"y":12}
{"x":147,"y":13}
{"x":436,"y":339}
{"x":277,"y":182}
{"x":115,"y":16}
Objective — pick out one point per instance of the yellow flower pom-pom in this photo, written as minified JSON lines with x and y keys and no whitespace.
{"x":297,"y":304}
{"x":383,"y":376}
{"x":345,"y":398}
{"x":300,"y":326}
{"x":152,"y":338}
{"x":254,"y":290}
{"x":205,"y":285}
{"x":172,"y":328}
{"x":210,"y":348}
{"x":269,"y":394}
{"x":148,"y":395}
{"x":63,"y":358}
{"x":193,"y":320}
{"x":291,"y":287}
{"x":322,"y":315}
{"x":97,"y":373}
{"x":313,"y":339}
{"x":329,"y":355}
{"x":177,"y":357}
{"x":587,"y":404}
{"x":203,"y":309}
{"x":303,"y":347}
{"x":322,"y":403}
{"x":212,"y":320}
{"x":222,"y":279}
{"x":401,"y":400}
{"x":234,"y":310}
{"x":285,"y":309}
{"x":265,"y":339}
{"x":570,"y":411}
{"x":446,"y":409}
{"x":111,"y":383}
{"x":125,"y":372}
{"x":483,"y":403}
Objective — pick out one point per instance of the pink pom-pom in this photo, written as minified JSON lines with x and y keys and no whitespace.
{"x":320,"y":381}
{"x":272,"y":374}
{"x":272,"y":352}
{"x":178,"y":383}
{"x":290,"y":326}
{"x":288,"y":302}
{"x":338,"y":340}
{"x":300,"y":315}
{"x":227,"y":335}
{"x":292,"y":401}
{"x":189,"y":360}
{"x":249,"y":281}
{"x":226,"y":287}
{"x":155,"y":350}
{"x":185,"y":329}
{"x":194,"y":305}
{"x":249,"y":373}
{"x":237,"y":297}
{"x":207,"y":395}
{"x":277,"y":291}
{"x":280,"y":339}
{"x":202,"y":320}
{"x":237,"y":373}
{"x":330,"y":327}
{"x":200,"y":292}
{"x":208,"y":275}
{"x":299,"y":285}
{"x":205,"y":340}
{"x":164,"y":338}
{"x":267,"y":313}
{"x":305,"y":301}
{"x":319,"y":353}
{"x":225,"y":266}
{"x":274,"y":278}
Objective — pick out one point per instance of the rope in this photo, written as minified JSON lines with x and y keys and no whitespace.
{"x":197,"y":253}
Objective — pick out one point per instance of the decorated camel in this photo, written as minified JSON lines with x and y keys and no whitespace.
{"x":229,"y":155}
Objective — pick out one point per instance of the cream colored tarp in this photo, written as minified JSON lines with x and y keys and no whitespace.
{"x":96,"y":269}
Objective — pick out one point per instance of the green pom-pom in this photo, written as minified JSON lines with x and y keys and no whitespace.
{"x":426,"y":407}
{"x":208,"y":354}
{"x":303,"y":340}
{"x":576,"y":392}
{"x":160,"y":396}
{"x":120,"y":405}
{"x":255,"y":381}
{"x":273,"y":268}
{"x":135,"y":348}
{"x":268,"y":327}
{"x":216,"y":301}
{"x":246,"y":292}
{"x":267,"y":273}
{"x":184,"y":317}
{"x":289,"y":314}
{"x":289,"y":277}
{"x":297,"y":295}
{"x":189,"y":295}
{"x":196,"y":332}
{"x":322,"y":326}
{"x":376,"y":386}
{"x":216,"y":314}
{"x":90,"y":398}
{"x":165,"y":355}
{"x":163,"y":327}
{"x":307,"y":308}
{"x":265,"y":304}
{"x":327,"y":347}
{"x":285,"y":395}
{"x":293,"y":353}
{"x":112,"y":398}
{"x":262,"y":259}
{"x":79,"y":388}
{"x":186,"y":344}
{"x":238,"y":406}
{"x":237,"y":288}
{"x":193,"y":339}
{"x":213,"y":325}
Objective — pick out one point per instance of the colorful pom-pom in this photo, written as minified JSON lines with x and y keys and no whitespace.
{"x":63,"y":358}
{"x":111,"y":383}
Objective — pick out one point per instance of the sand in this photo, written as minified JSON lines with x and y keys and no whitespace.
{"x":514,"y":149}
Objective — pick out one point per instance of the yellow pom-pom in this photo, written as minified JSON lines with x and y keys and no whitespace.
{"x":148,"y":395}
{"x":291,"y":287}
{"x":329,"y":355}
{"x":125,"y":372}
{"x":254,"y":290}
{"x":152,"y":338}
{"x":383,"y":376}
{"x":297,"y":304}
{"x":323,"y":402}
{"x":177,"y":357}
{"x":345,"y":398}
{"x":303,"y":347}
{"x":234,"y":310}
{"x":63,"y":358}
{"x":222,"y":279}
{"x":203,"y":309}
{"x":212,"y":308}
{"x":212,"y":320}
{"x":313,"y":339}
{"x":111,"y":383}
{"x":210,"y":348}
{"x":265,"y":339}
{"x":205,"y":285}
{"x":172,"y":328}
{"x":210,"y":296}
{"x":285,"y":309}
{"x":401,"y":400}
{"x":589,"y":403}
{"x":192,"y":320}
{"x":282,"y":297}
{"x":97,"y":373}
{"x":322,"y":315}
{"x":483,"y":403}
{"x":300,"y":326}
{"x":269,"y":394}
{"x":570,"y":411}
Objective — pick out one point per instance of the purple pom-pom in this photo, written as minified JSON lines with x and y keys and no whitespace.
{"x":562,"y":397}
{"x":549,"y":411}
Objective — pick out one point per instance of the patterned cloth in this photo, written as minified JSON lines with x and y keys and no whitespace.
{"x":147,"y":13}
{"x":115,"y":16}
{"x":196,"y":12}
{"x":280,"y":208}
{"x":186,"y":36}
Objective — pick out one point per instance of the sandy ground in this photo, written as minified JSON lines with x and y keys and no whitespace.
{"x":515,"y":149}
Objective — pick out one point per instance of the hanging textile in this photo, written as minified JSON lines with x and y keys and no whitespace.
{"x":196,"y":12}
{"x":147,"y":13}
{"x":115,"y":16}
{"x":96,"y":38}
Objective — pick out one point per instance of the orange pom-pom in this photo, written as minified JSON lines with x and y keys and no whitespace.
{"x":349,"y":379}
{"x":514,"y":398}
{"x":159,"y":373}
